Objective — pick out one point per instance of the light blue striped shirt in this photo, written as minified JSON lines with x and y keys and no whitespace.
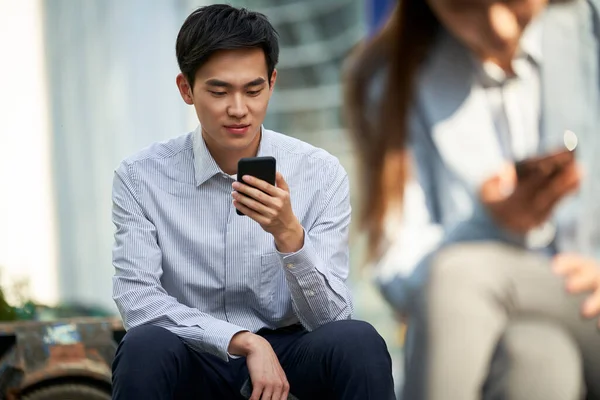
{"x":187,"y":262}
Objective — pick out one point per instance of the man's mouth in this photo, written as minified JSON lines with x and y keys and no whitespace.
{"x":237,"y":129}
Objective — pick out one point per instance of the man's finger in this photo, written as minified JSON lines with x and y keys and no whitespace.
{"x":252,"y":204}
{"x":254,"y":193}
{"x":261,"y":219}
{"x":281,"y":183}
{"x":277,"y":392}
{"x":267,"y":393}
{"x":286,"y":390}
{"x":256,"y":392}
{"x":260,"y":184}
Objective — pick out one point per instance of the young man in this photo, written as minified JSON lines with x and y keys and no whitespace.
{"x":211,"y":298}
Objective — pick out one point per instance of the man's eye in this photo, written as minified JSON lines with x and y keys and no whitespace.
{"x":217,"y":93}
{"x":254,"y":92}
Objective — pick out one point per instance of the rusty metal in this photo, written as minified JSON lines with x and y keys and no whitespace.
{"x":35,"y":353}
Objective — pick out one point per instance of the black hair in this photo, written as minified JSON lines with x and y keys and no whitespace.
{"x":222,"y":27}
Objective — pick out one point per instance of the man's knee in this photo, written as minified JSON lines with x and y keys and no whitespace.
{"x":150,"y":362}
{"x":349,"y":330}
{"x":355,"y":339}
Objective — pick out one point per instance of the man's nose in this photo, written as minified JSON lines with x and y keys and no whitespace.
{"x":237,"y":108}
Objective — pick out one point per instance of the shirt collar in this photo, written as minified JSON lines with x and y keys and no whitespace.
{"x":205,"y":166}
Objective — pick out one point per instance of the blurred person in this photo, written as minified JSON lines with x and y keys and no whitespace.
{"x":210,"y":298}
{"x":441,"y":104}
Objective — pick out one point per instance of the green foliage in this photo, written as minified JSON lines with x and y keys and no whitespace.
{"x":25,"y":309}
{"x":7,"y":312}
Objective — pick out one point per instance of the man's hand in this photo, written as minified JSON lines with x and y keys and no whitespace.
{"x":268,"y":379}
{"x":270,"y":206}
{"x":522,"y":206}
{"x":582,"y":275}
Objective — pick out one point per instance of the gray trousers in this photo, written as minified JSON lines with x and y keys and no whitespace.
{"x":482,"y":293}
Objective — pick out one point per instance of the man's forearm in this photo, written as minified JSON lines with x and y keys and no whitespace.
{"x":205,"y":333}
{"x":318,"y":296}
{"x":315,"y":303}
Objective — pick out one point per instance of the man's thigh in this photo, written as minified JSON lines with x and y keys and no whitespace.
{"x":209,"y":377}
{"x":291,"y":344}
{"x":152,"y":362}
{"x":316,"y":363}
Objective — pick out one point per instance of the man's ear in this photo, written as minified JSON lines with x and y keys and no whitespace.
{"x":272,"y":80}
{"x":184,"y":89}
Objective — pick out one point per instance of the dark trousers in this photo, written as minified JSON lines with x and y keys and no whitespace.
{"x":340,"y":360}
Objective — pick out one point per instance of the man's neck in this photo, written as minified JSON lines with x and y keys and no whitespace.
{"x":227,"y":160}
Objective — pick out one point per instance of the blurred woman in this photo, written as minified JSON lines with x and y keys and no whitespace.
{"x":441,"y":104}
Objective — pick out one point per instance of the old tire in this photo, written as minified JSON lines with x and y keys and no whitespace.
{"x":67,"y":391}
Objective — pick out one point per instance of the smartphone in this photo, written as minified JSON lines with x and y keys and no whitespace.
{"x":263,"y":168}
{"x":544,"y":167}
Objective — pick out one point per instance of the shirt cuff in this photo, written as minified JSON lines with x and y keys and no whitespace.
{"x":302,"y":261}
{"x":217,"y":337}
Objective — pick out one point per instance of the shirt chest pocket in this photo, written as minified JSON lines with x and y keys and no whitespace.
{"x":272,"y":278}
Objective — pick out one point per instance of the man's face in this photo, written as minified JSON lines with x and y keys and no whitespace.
{"x":490,"y":28}
{"x":231,"y":94}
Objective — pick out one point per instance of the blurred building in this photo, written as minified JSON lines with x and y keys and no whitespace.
{"x":111,"y":71}
{"x":27,"y":219}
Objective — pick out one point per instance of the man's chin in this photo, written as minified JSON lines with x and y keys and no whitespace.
{"x":240,"y":143}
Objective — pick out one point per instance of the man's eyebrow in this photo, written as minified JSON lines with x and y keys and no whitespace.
{"x":256,"y":82}
{"x":220,"y":83}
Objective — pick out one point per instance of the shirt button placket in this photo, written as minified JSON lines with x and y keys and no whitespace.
{"x":229,"y":247}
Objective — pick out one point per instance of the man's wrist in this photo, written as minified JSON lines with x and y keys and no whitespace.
{"x":290,"y":241}
{"x":242,"y":343}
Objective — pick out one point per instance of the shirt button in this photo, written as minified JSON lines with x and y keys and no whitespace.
{"x":310,"y":293}
{"x":289,"y":265}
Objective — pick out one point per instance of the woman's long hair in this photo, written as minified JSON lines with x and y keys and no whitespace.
{"x":380,"y":137}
